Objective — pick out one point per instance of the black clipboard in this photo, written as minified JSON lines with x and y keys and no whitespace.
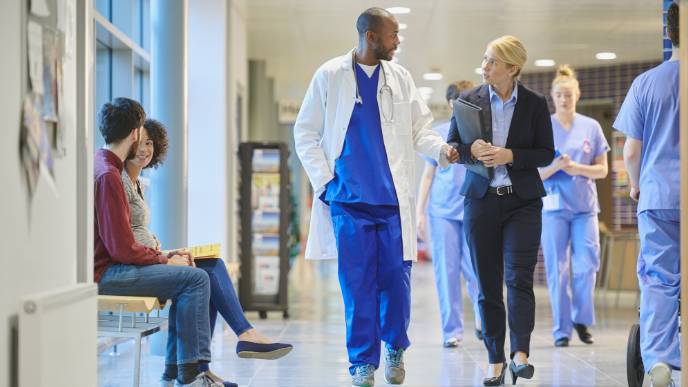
{"x":469,"y":120}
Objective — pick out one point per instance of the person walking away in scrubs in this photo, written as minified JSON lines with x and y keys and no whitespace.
{"x":570,"y":212}
{"x":649,"y":117}
{"x":358,"y":127}
{"x":450,"y":256}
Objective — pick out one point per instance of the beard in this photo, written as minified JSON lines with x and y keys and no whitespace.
{"x":133,"y":150}
{"x":382,"y":53}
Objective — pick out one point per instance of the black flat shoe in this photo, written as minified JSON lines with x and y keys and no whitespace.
{"x":479,"y":334}
{"x":563,"y":342}
{"x":525,"y":371}
{"x":584,"y":334}
{"x":497,"y":380}
{"x":249,"y":350}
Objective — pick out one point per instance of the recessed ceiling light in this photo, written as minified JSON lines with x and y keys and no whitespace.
{"x":605,"y":56}
{"x":478,"y":70}
{"x":425,"y":90}
{"x":399,"y":10}
{"x":544,"y":63}
{"x":401,"y":38}
{"x":432,"y":76}
{"x":402,"y":26}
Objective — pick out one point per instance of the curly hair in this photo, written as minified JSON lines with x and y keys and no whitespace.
{"x":158,"y":134}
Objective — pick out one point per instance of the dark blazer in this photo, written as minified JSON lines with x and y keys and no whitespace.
{"x":530,"y":140}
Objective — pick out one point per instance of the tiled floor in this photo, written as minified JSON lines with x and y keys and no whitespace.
{"x":316,"y":329}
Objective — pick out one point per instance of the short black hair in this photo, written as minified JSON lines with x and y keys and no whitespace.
{"x":158,"y":134}
{"x":117,"y":119}
{"x":458,"y":87}
{"x":672,"y":23}
{"x":372,"y":19}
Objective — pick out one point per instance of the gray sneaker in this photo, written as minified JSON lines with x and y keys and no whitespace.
{"x":166,"y":383}
{"x":364,"y":376}
{"x":394,"y":366}
{"x":202,"y":380}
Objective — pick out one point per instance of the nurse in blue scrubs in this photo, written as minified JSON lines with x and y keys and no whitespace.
{"x":570,"y":230}
{"x":450,"y":255}
{"x":650,"y":118}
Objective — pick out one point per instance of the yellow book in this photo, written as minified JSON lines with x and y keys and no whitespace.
{"x":201,"y":252}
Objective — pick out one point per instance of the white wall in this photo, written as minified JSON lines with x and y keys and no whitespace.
{"x":217,"y":72}
{"x":38,"y":234}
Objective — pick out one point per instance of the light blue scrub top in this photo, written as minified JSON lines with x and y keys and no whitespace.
{"x":650,"y":113}
{"x":583,"y":142}
{"x":445,"y":200}
{"x":502,"y":113}
{"x":362,"y":174}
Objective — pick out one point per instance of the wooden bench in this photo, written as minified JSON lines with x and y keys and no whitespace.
{"x":132,"y":326}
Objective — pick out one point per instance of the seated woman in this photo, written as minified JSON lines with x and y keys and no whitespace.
{"x":223,"y":299}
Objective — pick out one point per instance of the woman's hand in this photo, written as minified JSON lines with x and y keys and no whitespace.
{"x":496,"y":156}
{"x":420,"y":225}
{"x":157,"y":243}
{"x":188,"y":255}
{"x":478,"y":147}
{"x":561,"y":162}
{"x":572,"y":168}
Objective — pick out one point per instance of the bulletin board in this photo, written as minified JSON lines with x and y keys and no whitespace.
{"x":47,"y":29}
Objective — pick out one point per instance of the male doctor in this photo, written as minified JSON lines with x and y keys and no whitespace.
{"x":360,"y":122}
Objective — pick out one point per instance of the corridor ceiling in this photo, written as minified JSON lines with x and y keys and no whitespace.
{"x":449,"y":36}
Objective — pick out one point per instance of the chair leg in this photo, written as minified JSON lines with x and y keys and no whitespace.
{"x":137,"y":361}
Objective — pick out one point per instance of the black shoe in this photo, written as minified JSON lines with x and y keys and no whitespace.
{"x":525,"y":371}
{"x":584,"y":334}
{"x":479,"y":334}
{"x":497,"y":380}
{"x":563,"y":342}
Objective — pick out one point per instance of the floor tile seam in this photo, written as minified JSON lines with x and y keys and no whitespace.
{"x":590,"y":365}
{"x":284,"y":329}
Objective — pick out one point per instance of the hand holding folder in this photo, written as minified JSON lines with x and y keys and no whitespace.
{"x":471,"y":127}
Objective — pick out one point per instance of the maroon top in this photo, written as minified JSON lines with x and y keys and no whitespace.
{"x":114,"y":240}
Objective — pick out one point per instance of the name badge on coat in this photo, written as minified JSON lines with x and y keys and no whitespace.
{"x":551,"y":202}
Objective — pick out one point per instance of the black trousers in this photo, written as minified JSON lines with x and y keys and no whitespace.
{"x":503,"y":235}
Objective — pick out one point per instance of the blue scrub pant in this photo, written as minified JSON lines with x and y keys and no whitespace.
{"x":450,"y":258}
{"x":659,"y":278}
{"x":375,"y":280}
{"x":582,"y":230}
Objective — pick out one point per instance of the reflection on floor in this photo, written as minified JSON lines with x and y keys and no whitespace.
{"x":316,"y":329}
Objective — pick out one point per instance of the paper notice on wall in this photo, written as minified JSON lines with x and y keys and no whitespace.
{"x":40,"y":8}
{"x":35,"y":51}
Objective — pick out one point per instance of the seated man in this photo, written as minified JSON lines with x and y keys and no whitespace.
{"x":125,"y":268}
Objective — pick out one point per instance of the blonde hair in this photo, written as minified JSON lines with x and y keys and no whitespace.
{"x":565,"y":75}
{"x":510,"y":50}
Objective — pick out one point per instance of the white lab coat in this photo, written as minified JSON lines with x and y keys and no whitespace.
{"x":319,"y":134}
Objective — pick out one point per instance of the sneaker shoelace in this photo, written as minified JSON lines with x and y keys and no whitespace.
{"x":366,"y":370}
{"x":394,"y":357}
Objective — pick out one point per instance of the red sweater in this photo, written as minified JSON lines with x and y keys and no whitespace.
{"x":114,"y":240}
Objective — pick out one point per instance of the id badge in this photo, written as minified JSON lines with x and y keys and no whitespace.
{"x":551,"y":202}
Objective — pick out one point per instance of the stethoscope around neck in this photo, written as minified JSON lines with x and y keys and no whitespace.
{"x":383,"y":90}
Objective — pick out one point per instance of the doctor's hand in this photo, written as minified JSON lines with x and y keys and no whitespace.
{"x":496,"y":156}
{"x":635,"y":194}
{"x":478,"y":147}
{"x":450,"y":153}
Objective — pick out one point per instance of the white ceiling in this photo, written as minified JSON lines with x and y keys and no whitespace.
{"x":296,"y":36}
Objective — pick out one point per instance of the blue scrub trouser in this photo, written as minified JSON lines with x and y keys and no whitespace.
{"x":582,"y":230}
{"x":375,"y":280}
{"x":659,"y":278}
{"x":450,"y":258}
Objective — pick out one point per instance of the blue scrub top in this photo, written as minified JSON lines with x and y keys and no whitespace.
{"x":445,"y":200}
{"x":362,"y":174}
{"x":583,"y":142}
{"x":650,"y":113}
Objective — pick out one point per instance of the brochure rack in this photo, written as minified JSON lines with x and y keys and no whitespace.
{"x":263,"y":227}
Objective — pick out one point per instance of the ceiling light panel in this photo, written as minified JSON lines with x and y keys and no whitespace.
{"x":544,"y":63}
{"x":432,"y":76}
{"x":399,"y":10}
{"x":605,"y":56}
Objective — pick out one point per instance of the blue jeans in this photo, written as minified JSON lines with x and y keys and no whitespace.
{"x":188,"y":339}
{"x":223,"y":299}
